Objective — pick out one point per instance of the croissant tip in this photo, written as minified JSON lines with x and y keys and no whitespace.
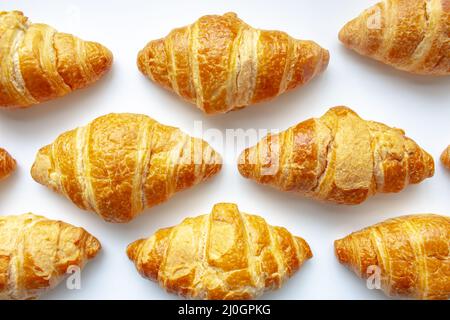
{"x":325,"y":59}
{"x":305,"y":248}
{"x":9,"y":165}
{"x":133,"y":248}
{"x":341,"y":252}
{"x":445,"y":158}
{"x":244,"y":166}
{"x":41,"y":166}
{"x":348,"y":35}
{"x":93,"y":246}
{"x":100,"y":59}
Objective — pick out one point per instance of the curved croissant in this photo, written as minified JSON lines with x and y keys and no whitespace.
{"x":445,"y":157}
{"x":220,"y":63}
{"x":119,"y":164}
{"x":7,"y":164}
{"x":409,"y":255}
{"x":226,"y":254}
{"x":36,"y":253}
{"x":410,"y":35}
{"x":37,"y":63}
{"x":339,"y":158}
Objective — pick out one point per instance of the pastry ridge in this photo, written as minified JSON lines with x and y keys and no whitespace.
{"x":411,"y":253}
{"x":226,"y":254}
{"x":120,"y":164}
{"x":338,"y":157}
{"x":220,"y":63}
{"x":36,"y":254}
{"x":7,"y":164}
{"x":410,"y":35}
{"x":39,"y":63}
{"x":445,"y":158}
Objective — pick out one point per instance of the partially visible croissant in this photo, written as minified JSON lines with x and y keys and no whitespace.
{"x":37,"y":63}
{"x":119,"y":164}
{"x":339,"y":158}
{"x":445,"y":157}
{"x":410,"y":35}
{"x":36,"y":253}
{"x":220,"y":63}
{"x":226,"y":254}
{"x":7,"y":164}
{"x":408,"y":256}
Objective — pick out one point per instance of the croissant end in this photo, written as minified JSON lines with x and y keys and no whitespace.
{"x":152,"y":62}
{"x":42,"y":168}
{"x":305,"y":248}
{"x":342,"y":252}
{"x":133,"y":249}
{"x":7,"y":164}
{"x":99,"y":58}
{"x":445,"y":157}
{"x":92,"y":247}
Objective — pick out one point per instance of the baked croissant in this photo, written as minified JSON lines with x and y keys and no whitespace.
{"x":220,"y":63}
{"x":408,"y":256}
{"x":37,"y":63}
{"x":226,"y":254}
{"x":339,"y":158}
{"x":36,"y":253}
{"x":445,"y":158}
{"x":410,"y":35}
{"x":119,"y":164}
{"x":7,"y":164}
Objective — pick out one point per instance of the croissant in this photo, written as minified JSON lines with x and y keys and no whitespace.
{"x":408,"y":256}
{"x":37,"y":63}
{"x":220,"y":63}
{"x":7,"y":164}
{"x":226,"y":254}
{"x":445,"y":158}
{"x":410,"y":35}
{"x":119,"y":164}
{"x":339,"y":158}
{"x":36,"y":253}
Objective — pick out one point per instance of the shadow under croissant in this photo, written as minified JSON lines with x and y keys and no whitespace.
{"x":293,"y":103}
{"x":360,"y":285}
{"x":337,"y":215}
{"x":61,"y":108}
{"x":373,"y":66}
{"x":88,"y":275}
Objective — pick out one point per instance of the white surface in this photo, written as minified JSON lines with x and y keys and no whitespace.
{"x":420,"y":105}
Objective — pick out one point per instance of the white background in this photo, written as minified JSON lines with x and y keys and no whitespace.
{"x":420,"y":105}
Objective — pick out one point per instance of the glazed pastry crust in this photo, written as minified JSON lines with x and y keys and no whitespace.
{"x":410,"y":35}
{"x":120,"y":164}
{"x":339,"y":158}
{"x":36,"y":253}
{"x":220,"y":63}
{"x":38,"y":63}
{"x":445,"y":158}
{"x":226,"y":254}
{"x":7,"y":164}
{"x":412,"y":254}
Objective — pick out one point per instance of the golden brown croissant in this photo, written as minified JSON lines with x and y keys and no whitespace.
{"x":37,"y":63}
{"x":36,"y":253}
{"x":409,"y":256}
{"x":220,"y":63}
{"x":339,"y":158}
{"x":226,"y":254}
{"x":119,"y":164}
{"x":7,"y":164}
{"x":410,"y":35}
{"x":445,"y":157}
